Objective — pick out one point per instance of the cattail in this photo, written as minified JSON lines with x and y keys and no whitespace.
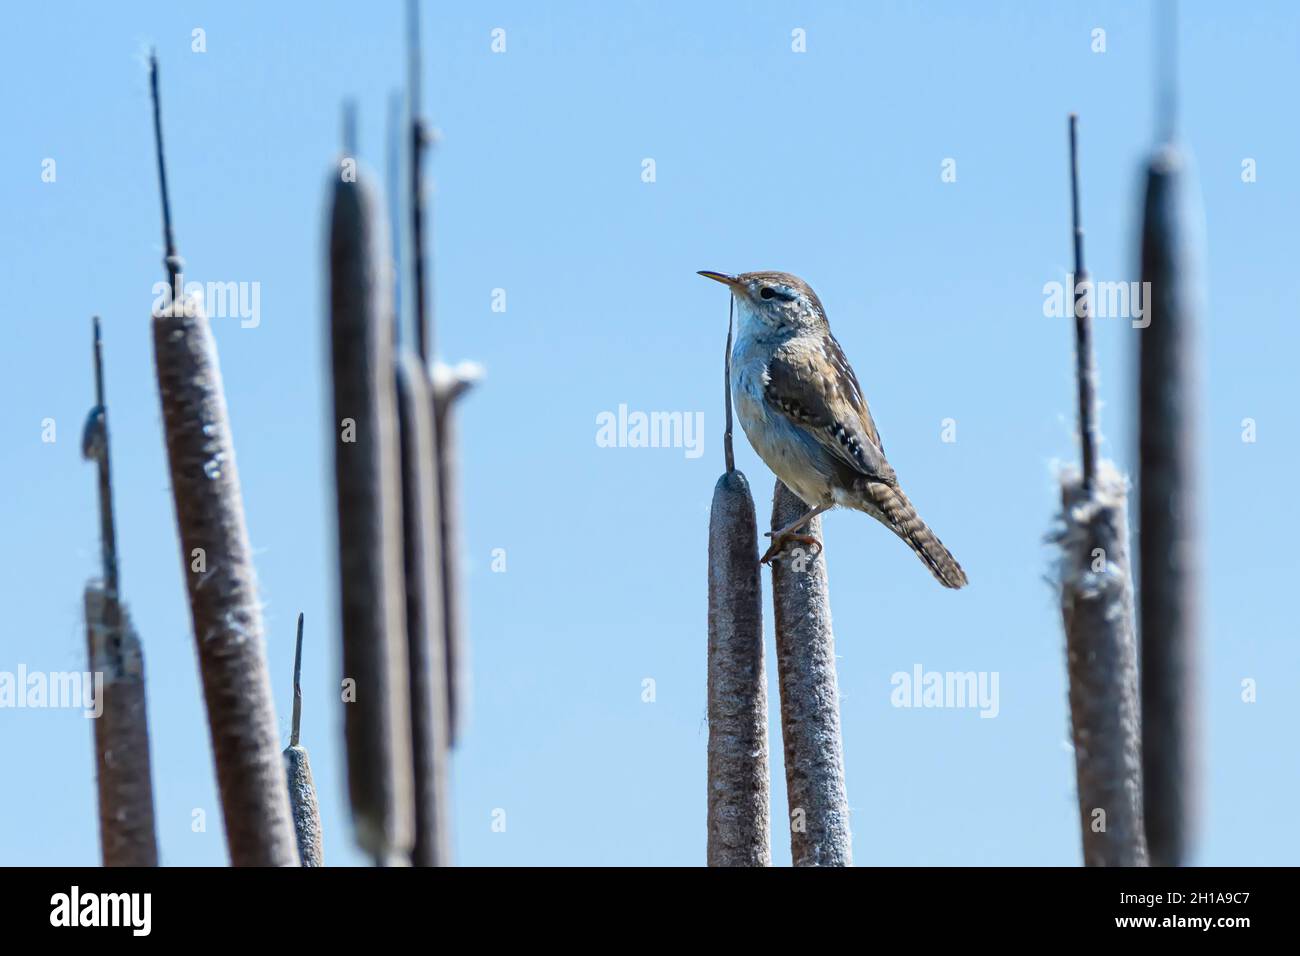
{"x":810,"y":699}
{"x":302,"y":789}
{"x":222,"y":590}
{"x":126,"y":817}
{"x":421,"y":527}
{"x":1169,"y":566}
{"x":450,"y":384}
{"x":739,"y":808}
{"x":423,"y":612}
{"x":447,"y":386}
{"x":739,"y":815}
{"x":123,"y":777}
{"x":1101,"y":659}
{"x":218,"y":568}
{"x":377,"y":716}
{"x":1096,"y":593}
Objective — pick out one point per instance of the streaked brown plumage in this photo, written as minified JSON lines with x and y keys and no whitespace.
{"x":804,"y":412}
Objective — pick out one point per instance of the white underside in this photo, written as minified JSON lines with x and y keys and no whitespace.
{"x":793,"y":454}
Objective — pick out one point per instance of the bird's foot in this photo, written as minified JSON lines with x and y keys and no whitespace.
{"x":781,"y":539}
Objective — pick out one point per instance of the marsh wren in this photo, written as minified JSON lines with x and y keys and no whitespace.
{"x":803,"y":411}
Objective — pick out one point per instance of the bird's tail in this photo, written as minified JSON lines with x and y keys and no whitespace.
{"x":897,"y":513}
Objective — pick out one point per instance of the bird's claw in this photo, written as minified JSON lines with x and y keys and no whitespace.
{"x":779,"y":542}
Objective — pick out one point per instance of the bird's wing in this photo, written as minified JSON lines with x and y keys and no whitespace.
{"x":816,"y":389}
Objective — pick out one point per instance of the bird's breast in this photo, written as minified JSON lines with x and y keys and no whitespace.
{"x":748,"y":380}
{"x":788,"y":449}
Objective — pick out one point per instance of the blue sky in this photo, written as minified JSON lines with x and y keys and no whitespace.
{"x":826,"y":164}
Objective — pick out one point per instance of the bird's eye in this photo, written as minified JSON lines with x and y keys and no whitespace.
{"x":767,"y":293}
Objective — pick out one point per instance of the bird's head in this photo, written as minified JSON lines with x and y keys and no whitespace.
{"x":773,"y":301}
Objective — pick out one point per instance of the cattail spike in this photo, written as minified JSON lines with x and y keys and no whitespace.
{"x":1085,"y":370}
{"x":728,"y":449}
{"x":394,"y":144}
{"x":350,"y":128}
{"x":297,"y":687}
{"x":99,"y":362}
{"x":95,"y":447}
{"x":1166,"y":59}
{"x":419,"y":139}
{"x":171,"y":261}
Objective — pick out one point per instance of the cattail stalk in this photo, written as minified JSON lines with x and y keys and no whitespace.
{"x":377,"y":717}
{"x":394,"y":139}
{"x":1096,"y":594}
{"x":450,"y":384}
{"x":95,"y":447}
{"x":1085,"y":373}
{"x":739,"y":806}
{"x":218,"y":568}
{"x":419,"y":140}
{"x":116,"y":662}
{"x":1169,"y":566}
{"x":427,"y":668}
{"x":297,"y":765}
{"x":810,"y":700}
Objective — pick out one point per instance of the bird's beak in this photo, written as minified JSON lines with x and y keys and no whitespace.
{"x":730,"y":281}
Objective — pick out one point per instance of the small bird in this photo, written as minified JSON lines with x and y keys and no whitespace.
{"x":803,"y":411}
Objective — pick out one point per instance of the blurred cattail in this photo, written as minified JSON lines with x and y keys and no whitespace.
{"x":419,"y":137}
{"x":422,"y":545}
{"x":116,"y":662}
{"x":450,"y":384}
{"x":1096,"y":593}
{"x":739,"y":806}
{"x":302,"y":789}
{"x":810,"y":699}
{"x":218,"y":570}
{"x":394,"y":139}
{"x":423,"y":612}
{"x":1168,"y":537}
{"x":377,"y":716}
